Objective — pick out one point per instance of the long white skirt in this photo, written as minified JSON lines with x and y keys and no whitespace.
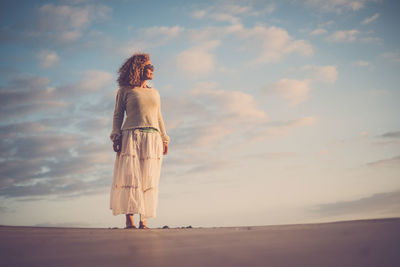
{"x":136,"y":174}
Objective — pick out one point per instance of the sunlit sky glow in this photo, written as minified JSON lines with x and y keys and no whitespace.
{"x":278,"y":111}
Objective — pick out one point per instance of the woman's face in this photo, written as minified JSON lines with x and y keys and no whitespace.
{"x":148,"y":71}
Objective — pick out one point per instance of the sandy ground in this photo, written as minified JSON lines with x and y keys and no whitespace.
{"x":351,"y":243}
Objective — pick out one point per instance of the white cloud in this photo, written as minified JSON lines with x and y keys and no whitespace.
{"x":226,"y":17}
{"x":370,"y":19}
{"x":225,"y":11}
{"x":393,"y":56}
{"x":69,"y":36}
{"x":292,"y":91}
{"x":365,"y":64}
{"x":318,"y":31}
{"x":326,"y":73}
{"x":164,"y":33}
{"x":198,"y":59}
{"x":324,"y":24}
{"x":371,"y":40}
{"x":214,"y":33}
{"x":236,"y":9}
{"x":274,"y":43}
{"x":270,"y":8}
{"x":50,"y":130}
{"x":94,"y":80}
{"x":221,"y":15}
{"x":362,"y":63}
{"x":35,"y":95}
{"x":343,"y":36}
{"x":211,"y":135}
{"x":304,"y":121}
{"x":337,"y":5}
{"x":208,"y":115}
{"x":147,"y":38}
{"x":75,"y":17}
{"x":198,"y":14}
{"x":48,"y":58}
{"x":284,"y":128}
{"x":271,"y":44}
{"x":239,"y":104}
{"x":67,"y":22}
{"x":24,"y":92}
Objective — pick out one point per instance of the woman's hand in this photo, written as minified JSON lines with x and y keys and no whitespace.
{"x":165,"y":148}
{"x":117,"y":145}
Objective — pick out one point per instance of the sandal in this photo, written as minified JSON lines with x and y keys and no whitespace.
{"x":142,"y":226}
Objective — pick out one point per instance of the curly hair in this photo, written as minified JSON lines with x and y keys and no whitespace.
{"x":131,"y":71}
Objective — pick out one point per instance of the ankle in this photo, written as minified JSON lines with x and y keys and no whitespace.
{"x":129,"y":219}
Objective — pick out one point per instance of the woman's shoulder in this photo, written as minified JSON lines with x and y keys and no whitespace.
{"x":128,"y":90}
{"x":138,"y":90}
{"x":123,"y":89}
{"x":153,"y":90}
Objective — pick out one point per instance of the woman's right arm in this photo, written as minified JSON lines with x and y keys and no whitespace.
{"x":118,"y":117}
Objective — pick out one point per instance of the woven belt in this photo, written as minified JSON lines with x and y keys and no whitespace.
{"x":147,"y":129}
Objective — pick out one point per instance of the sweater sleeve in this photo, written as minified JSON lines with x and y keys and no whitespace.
{"x":164,"y":135}
{"x":118,"y":117}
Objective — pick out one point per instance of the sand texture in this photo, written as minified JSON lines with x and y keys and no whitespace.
{"x":351,"y":243}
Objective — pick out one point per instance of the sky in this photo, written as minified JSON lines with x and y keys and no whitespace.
{"x":279,"y":112}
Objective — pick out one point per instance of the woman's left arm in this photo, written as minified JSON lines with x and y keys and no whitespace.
{"x":165,"y":138}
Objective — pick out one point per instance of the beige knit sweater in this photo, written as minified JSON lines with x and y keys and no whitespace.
{"x":143,"y":109}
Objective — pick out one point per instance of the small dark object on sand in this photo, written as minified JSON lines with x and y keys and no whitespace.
{"x":165,"y":227}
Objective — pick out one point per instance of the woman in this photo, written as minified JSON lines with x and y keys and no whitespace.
{"x":140,"y":143}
